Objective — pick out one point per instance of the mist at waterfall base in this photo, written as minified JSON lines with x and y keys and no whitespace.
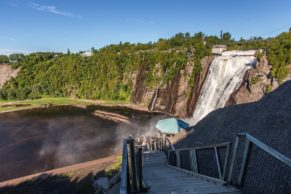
{"x":224,"y":76}
{"x":37,"y":140}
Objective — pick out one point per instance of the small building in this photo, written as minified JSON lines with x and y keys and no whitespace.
{"x":87,"y":54}
{"x":218,"y":49}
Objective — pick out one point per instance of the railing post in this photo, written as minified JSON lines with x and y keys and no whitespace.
{"x":196,"y":169}
{"x":139,"y":168}
{"x":169,"y":157}
{"x":132,"y":166}
{"x":164,"y":144}
{"x":151,"y":144}
{"x":233,"y":159}
{"x":226,"y":161}
{"x":124,"y":169}
{"x":178,"y":158}
{"x":244,"y":161}
{"x":218,"y":162}
{"x":191,"y":160}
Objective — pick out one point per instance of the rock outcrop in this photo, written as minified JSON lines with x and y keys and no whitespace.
{"x":257,"y":82}
{"x":177,"y":97}
{"x":6,"y":73}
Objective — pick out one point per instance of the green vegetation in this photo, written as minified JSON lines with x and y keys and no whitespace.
{"x":255,"y":80}
{"x":26,"y":104}
{"x":279,"y":55}
{"x":269,"y":88}
{"x":278,"y":51}
{"x":114,"y":167}
{"x":4,"y":59}
{"x":13,"y":58}
{"x":109,"y":73}
{"x":13,"y":105}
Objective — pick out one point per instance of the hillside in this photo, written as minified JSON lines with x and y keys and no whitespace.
{"x":166,"y":75}
{"x":269,"y":120}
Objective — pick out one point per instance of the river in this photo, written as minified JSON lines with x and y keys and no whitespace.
{"x":41,"y":139}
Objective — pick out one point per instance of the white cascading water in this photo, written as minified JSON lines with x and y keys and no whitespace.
{"x":224,"y":76}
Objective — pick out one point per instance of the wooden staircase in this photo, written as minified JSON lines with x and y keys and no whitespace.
{"x":147,"y":169}
{"x":165,"y":179}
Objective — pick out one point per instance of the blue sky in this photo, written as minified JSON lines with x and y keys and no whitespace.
{"x":56,"y":25}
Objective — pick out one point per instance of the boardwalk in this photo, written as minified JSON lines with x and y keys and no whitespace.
{"x":164,"y":179}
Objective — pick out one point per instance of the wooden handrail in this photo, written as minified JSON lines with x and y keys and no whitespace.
{"x":131,"y":168}
{"x":124,"y":169}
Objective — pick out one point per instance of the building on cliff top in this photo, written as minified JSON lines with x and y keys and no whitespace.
{"x":87,"y":54}
{"x":218,"y":49}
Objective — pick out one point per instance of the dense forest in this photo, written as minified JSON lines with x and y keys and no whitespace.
{"x":109,"y":73}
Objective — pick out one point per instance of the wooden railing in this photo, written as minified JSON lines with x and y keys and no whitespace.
{"x":158,"y":143}
{"x":194,"y":162}
{"x":131,"y":172}
{"x":131,"y":169}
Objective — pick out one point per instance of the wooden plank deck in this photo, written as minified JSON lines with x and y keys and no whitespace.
{"x":164,"y":179}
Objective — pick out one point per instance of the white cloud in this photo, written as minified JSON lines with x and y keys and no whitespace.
{"x":52,"y":9}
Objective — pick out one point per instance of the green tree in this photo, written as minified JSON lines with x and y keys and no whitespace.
{"x":16,"y":57}
{"x":4,"y":59}
{"x":226,"y":36}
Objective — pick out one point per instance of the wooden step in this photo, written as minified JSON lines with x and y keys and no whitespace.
{"x":164,"y":179}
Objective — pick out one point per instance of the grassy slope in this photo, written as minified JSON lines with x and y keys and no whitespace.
{"x":6,"y":106}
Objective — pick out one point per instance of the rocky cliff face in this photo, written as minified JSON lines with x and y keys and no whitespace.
{"x":178,"y":96}
{"x":257,"y":82}
{"x":6,"y":73}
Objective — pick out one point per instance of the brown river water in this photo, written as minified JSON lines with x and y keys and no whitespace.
{"x":37,"y":140}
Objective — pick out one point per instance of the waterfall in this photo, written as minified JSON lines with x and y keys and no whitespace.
{"x":224,"y":76}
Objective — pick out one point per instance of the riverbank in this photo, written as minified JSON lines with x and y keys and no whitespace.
{"x":10,"y":106}
{"x":71,"y":179}
{"x":54,"y":135}
{"x":54,"y":132}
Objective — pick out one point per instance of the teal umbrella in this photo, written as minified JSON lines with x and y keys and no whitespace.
{"x":171,"y":125}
